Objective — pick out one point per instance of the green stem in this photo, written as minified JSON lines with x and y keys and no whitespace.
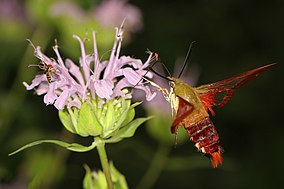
{"x":155,"y":168}
{"x":105,"y":164}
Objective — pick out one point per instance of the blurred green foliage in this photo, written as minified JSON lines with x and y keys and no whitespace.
{"x":231,"y":37}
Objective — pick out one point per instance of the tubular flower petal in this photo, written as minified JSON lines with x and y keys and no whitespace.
{"x":64,"y":83}
{"x":94,"y":96}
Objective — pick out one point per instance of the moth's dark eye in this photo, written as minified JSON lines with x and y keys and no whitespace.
{"x":172,"y":84}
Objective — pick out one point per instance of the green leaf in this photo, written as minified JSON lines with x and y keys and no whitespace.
{"x":74,"y":113}
{"x":87,"y":121}
{"x":88,"y":182}
{"x":128,"y":130}
{"x":72,"y":147}
{"x":100,"y":181}
{"x":97,"y":179}
{"x":128,"y":117}
{"x":99,"y":110}
{"x":130,"y":114}
{"x":124,"y":118}
{"x":109,"y":119}
{"x":118,"y":178}
{"x":66,"y":120}
{"x":135,"y":104}
{"x":80,"y":148}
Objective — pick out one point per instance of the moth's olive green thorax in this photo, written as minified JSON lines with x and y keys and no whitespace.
{"x":184,"y":91}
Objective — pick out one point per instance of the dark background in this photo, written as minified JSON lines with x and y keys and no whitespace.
{"x":231,"y":37}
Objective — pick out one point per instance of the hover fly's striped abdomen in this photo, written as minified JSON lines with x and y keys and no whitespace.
{"x":206,"y":139}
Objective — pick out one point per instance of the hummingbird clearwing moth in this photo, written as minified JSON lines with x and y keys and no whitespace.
{"x":191,"y":107}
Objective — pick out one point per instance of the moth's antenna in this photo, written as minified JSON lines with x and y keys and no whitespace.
{"x":152,"y":70}
{"x":165,"y":67}
{"x":186,"y":58}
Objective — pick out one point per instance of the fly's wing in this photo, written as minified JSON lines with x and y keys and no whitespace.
{"x":184,"y":109}
{"x":219,"y":93}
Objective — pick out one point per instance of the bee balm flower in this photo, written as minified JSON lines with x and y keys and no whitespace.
{"x":72,"y":85}
{"x":94,"y":98}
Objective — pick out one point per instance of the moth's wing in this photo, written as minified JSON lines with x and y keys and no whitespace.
{"x":184,"y":110}
{"x":219,"y":93}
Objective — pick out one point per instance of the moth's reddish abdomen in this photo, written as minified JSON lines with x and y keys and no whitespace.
{"x":194,"y":104}
{"x":206,"y":139}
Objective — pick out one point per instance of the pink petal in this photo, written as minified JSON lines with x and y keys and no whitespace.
{"x":149,"y":94}
{"x":61,"y":100}
{"x":36,"y":81}
{"x":83,"y":63}
{"x":75,"y":71}
{"x":50,"y":96}
{"x":42,"y":88}
{"x":103,"y":88}
{"x":127,"y":60}
{"x":132,"y":76}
